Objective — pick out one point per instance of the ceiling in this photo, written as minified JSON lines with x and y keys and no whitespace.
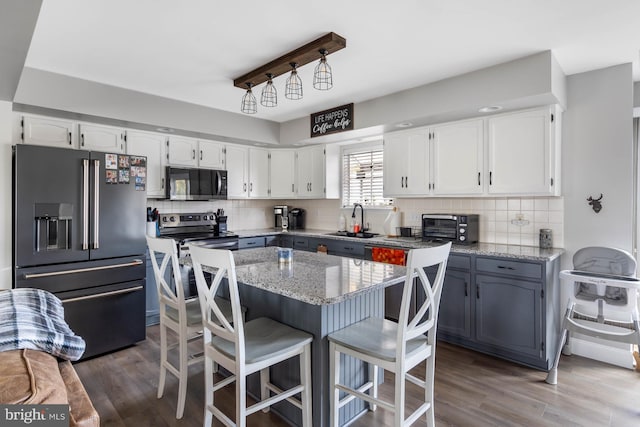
{"x":192,"y":50}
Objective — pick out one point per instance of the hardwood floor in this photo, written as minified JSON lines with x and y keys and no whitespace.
{"x":471,"y":389}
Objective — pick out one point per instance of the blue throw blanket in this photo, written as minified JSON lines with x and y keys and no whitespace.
{"x":34,"y":319}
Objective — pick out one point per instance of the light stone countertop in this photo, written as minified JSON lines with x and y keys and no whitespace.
{"x":317,"y":279}
{"x":531,"y":253}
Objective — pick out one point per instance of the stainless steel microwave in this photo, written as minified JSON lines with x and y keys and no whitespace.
{"x":460,"y":229}
{"x":195,"y":184}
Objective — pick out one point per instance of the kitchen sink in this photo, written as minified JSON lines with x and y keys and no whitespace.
{"x":363,"y":235}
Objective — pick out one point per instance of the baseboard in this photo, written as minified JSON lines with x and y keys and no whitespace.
{"x":604,"y":351}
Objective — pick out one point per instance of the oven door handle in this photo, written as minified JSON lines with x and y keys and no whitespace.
{"x":220,"y":245}
{"x":219,"y":187}
{"x":436,"y":216}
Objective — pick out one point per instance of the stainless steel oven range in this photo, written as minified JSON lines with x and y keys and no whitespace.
{"x":195,"y":229}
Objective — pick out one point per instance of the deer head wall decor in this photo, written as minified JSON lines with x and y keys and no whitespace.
{"x":595,"y":203}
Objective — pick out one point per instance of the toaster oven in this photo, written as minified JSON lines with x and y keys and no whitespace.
{"x":459,"y":229}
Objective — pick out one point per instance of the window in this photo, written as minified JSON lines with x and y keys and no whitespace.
{"x":362,"y":176}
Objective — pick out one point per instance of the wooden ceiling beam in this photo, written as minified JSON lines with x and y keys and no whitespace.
{"x":331,"y":42}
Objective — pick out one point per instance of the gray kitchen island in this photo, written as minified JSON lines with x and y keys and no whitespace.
{"x":319,"y":294}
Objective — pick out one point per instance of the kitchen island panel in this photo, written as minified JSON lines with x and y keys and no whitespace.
{"x":319,"y":320}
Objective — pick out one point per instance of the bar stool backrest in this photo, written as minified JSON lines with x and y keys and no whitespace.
{"x":426,"y":317}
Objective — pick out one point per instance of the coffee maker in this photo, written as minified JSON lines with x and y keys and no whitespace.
{"x":296,"y":219}
{"x":281,"y":217}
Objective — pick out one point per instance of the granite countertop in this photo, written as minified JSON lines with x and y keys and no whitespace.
{"x":532,"y":253}
{"x":317,"y":279}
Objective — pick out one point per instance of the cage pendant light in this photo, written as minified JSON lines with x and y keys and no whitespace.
{"x":269,"y":97}
{"x":322,"y":76}
{"x":293,"y":87}
{"x":249,"y":104}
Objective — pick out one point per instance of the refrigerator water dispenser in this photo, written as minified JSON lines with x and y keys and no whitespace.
{"x":53,"y":226}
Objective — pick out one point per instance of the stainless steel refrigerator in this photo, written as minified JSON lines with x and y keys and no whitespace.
{"x":78,"y":231}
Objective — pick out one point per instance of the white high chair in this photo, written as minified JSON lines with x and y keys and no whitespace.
{"x":604,"y":300}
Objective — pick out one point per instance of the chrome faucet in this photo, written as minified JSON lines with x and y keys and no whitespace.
{"x":353,"y":215}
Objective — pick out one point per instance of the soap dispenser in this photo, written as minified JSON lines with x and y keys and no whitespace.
{"x":342,"y":223}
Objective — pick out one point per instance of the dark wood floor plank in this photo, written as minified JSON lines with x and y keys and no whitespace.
{"x":472,"y":389}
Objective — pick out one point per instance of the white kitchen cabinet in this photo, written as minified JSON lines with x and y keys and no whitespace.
{"x":101,"y":138}
{"x":282,"y":174}
{"x":247,"y":172}
{"x":193,"y":153}
{"x":258,"y":173}
{"x":406,"y":163}
{"x":310,"y":176}
{"x":211,"y":154}
{"x":47,"y":131}
{"x":237,"y":172}
{"x":183,"y":151}
{"x":153,"y":146}
{"x":457,"y":157}
{"x":524,"y":150}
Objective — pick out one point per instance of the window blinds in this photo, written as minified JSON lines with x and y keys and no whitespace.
{"x":362,"y":178}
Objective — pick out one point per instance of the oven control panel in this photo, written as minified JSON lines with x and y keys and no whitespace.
{"x":188,"y":219}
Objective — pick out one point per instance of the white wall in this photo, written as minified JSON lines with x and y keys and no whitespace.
{"x":5,"y":191}
{"x":597,"y":158}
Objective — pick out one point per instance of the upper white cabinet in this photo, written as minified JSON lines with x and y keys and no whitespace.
{"x":406,"y":163}
{"x":524,"y":152}
{"x":247,"y":172}
{"x":237,"y":172}
{"x":47,"y":131}
{"x":457,"y":157}
{"x":310,"y":167}
{"x":153,"y":146}
{"x":101,"y":138}
{"x":282,"y":174}
{"x":183,"y":151}
{"x":258,"y":173}
{"x":211,"y":154}
{"x":191,"y":152}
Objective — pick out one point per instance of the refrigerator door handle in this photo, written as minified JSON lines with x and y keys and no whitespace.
{"x":96,"y":204}
{"x":85,"y":204}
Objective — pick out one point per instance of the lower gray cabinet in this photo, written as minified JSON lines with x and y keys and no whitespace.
{"x":251,"y":242}
{"x":502,"y":306}
{"x":345,"y":248}
{"x":509,"y":314}
{"x":454,"y":314}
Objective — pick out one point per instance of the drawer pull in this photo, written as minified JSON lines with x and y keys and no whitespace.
{"x":502,"y":267}
{"x":104,"y":294}
{"x":83,"y":270}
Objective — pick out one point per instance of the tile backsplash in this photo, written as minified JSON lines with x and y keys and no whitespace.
{"x":513,"y":220}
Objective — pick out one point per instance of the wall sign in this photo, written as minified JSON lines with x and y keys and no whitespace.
{"x":338,"y":119}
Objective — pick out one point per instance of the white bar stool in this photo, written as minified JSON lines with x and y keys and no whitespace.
{"x":395,"y":347}
{"x":245,"y":348}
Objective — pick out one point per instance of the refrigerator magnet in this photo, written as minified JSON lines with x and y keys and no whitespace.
{"x":138,"y":161}
{"x":123,"y":162}
{"x":111,"y":161}
{"x":123,"y":176}
{"x":111,"y":177}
